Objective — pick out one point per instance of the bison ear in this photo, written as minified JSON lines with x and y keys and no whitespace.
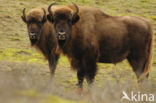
{"x":50,"y":18}
{"x":75,"y":19}
{"x":24,"y":19}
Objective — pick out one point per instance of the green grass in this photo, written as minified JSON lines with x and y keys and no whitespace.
{"x":27,"y":55}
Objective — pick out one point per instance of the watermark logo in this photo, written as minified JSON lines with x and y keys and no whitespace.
{"x":134,"y":97}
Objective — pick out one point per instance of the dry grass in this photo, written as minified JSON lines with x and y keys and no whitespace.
{"x":30,"y":83}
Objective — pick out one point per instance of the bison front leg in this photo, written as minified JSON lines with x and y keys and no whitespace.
{"x":52,"y":60}
{"x":78,"y":65}
{"x":90,"y":70}
{"x":80,"y":76}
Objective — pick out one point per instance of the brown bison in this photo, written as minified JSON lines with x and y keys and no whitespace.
{"x":41,"y":34}
{"x":88,"y":35}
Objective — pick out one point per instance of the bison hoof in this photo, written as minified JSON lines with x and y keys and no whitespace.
{"x":79,"y":85}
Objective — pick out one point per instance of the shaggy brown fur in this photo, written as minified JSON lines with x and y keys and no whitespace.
{"x":98,"y":37}
{"x":41,"y":35}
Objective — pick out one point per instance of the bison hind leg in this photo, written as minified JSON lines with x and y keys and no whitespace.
{"x":137,"y":62}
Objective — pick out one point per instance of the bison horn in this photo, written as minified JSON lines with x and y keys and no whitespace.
{"x":49,"y":8}
{"x":24,"y":16}
{"x":77,"y":9}
{"x":24,"y":13}
{"x":44,"y":16}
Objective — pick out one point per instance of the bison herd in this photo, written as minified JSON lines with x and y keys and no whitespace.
{"x":87,"y":35}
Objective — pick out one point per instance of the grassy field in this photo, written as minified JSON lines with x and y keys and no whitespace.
{"x":24,"y":74}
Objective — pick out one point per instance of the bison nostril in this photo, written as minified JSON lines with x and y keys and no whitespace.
{"x":32,"y":35}
{"x":61,"y":37}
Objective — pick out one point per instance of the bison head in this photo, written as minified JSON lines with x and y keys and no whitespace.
{"x":34,"y":20}
{"x":63,"y":18}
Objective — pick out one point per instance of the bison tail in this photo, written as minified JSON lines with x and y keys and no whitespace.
{"x":149,"y":54}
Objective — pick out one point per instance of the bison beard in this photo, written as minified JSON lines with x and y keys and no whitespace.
{"x":33,"y":41}
{"x":44,"y":39}
{"x":98,"y":37}
{"x":61,"y":43}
